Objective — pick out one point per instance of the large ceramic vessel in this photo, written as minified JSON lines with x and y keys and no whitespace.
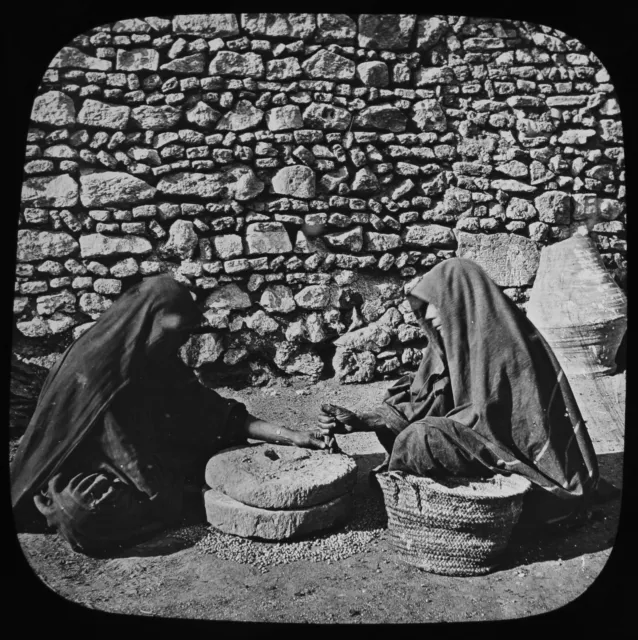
{"x":578,"y":307}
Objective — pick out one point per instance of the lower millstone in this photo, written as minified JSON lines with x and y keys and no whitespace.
{"x":230,"y":516}
{"x":281,"y":477}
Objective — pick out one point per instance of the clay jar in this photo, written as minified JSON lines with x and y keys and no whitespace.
{"x":578,"y":308}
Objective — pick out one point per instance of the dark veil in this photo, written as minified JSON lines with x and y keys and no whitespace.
{"x":104,"y":360}
{"x":508,"y":403}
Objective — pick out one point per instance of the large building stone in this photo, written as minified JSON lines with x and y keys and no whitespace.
{"x":326,"y":116}
{"x":428,"y":235}
{"x":50,"y":191}
{"x":199,"y":185}
{"x":373,"y":74}
{"x":267,"y":237}
{"x":108,"y":188}
{"x":353,"y":367}
{"x":188,"y":65}
{"x":347,"y":241}
{"x":156,"y":118}
{"x":53,"y":108}
{"x":315,"y":296}
{"x":510,"y":260}
{"x":40,"y":245}
{"x":296,"y":26}
{"x":207,"y":25}
{"x":230,"y":63}
{"x":336,"y":27}
{"x":182,"y":240}
{"x":137,"y":60}
{"x":73,"y":58}
{"x":429,"y":31}
{"x":554,"y":207}
{"x":103,"y":115}
{"x":284,"y":118}
{"x":96,"y":245}
{"x":329,"y":66}
{"x":243,"y":116}
{"x":385,"y":30}
{"x":384,"y":117}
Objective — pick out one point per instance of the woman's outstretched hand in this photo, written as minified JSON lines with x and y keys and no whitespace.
{"x":339,"y":420}
{"x":316,"y":439}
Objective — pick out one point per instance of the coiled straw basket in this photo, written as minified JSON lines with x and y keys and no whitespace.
{"x":455,"y":527}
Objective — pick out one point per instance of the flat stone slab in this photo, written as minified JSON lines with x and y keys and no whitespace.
{"x":231,"y":516}
{"x":281,"y":477}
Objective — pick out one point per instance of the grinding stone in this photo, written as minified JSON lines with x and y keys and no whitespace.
{"x":280,"y":477}
{"x":231,"y":516}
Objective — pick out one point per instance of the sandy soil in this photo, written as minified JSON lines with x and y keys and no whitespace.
{"x":168,"y":577}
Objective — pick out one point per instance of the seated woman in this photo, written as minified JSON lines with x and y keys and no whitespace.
{"x":489,"y":397}
{"x":122,"y":427}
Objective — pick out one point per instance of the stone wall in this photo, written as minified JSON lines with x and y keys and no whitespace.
{"x":298,"y":172}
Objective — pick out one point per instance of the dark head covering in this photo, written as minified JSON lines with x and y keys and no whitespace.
{"x":509,"y":396}
{"x":136,"y":338}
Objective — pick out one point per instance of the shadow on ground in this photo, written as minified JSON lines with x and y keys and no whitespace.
{"x":563,"y":543}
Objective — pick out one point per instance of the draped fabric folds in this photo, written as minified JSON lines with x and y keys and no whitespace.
{"x":489,"y":395}
{"x":120,"y":402}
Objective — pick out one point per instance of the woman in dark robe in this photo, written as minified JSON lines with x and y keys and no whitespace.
{"x":123,"y":428}
{"x":488,"y":397}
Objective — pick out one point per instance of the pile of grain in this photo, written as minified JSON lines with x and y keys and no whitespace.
{"x":363,"y":531}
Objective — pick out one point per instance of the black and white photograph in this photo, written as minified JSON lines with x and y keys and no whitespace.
{"x":318,"y":318}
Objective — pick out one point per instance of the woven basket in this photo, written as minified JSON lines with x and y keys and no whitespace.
{"x":455,"y":527}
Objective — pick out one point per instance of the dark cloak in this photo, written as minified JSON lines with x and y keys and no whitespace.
{"x":489,"y":392}
{"x":115,"y":353}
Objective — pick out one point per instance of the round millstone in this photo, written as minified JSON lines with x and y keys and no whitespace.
{"x":280,"y":477}
{"x":231,"y":516}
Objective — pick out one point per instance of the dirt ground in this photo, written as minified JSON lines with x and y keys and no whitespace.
{"x":167,"y":576}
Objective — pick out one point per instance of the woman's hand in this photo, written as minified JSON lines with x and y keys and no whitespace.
{"x":315,"y":439}
{"x":339,"y":420}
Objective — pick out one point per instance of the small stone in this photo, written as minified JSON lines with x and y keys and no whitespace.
{"x":200,"y":349}
{"x":381,"y":241}
{"x":107,"y":286}
{"x":228,"y":296}
{"x":519,"y":209}
{"x":188,"y":65}
{"x":228,"y":246}
{"x":353,"y":367}
{"x":278,"y":298}
{"x":351,"y":241}
{"x":124,"y":268}
{"x":182,"y":240}
{"x":554,"y":207}
{"x":230,"y":63}
{"x":512,"y":186}
{"x":384,"y":117}
{"x":329,"y":66}
{"x":513,"y":168}
{"x":156,"y":118}
{"x":283,"y":69}
{"x":313,"y":297}
{"x":385,"y":31}
{"x":243,"y":116}
{"x":94,"y":304}
{"x":326,"y":116}
{"x":364,"y":182}
{"x":426,"y":76}
{"x":203,"y":115}
{"x":576,"y":136}
{"x":297,"y":181}
{"x":429,"y":116}
{"x":335,"y":27}
{"x":284,"y":118}
{"x":429,"y":31}
{"x":48,"y":305}
{"x":373,"y":74}
{"x":262,"y":323}
{"x":137,"y":60}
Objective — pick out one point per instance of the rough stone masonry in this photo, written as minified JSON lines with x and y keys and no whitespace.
{"x":298,"y":171}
